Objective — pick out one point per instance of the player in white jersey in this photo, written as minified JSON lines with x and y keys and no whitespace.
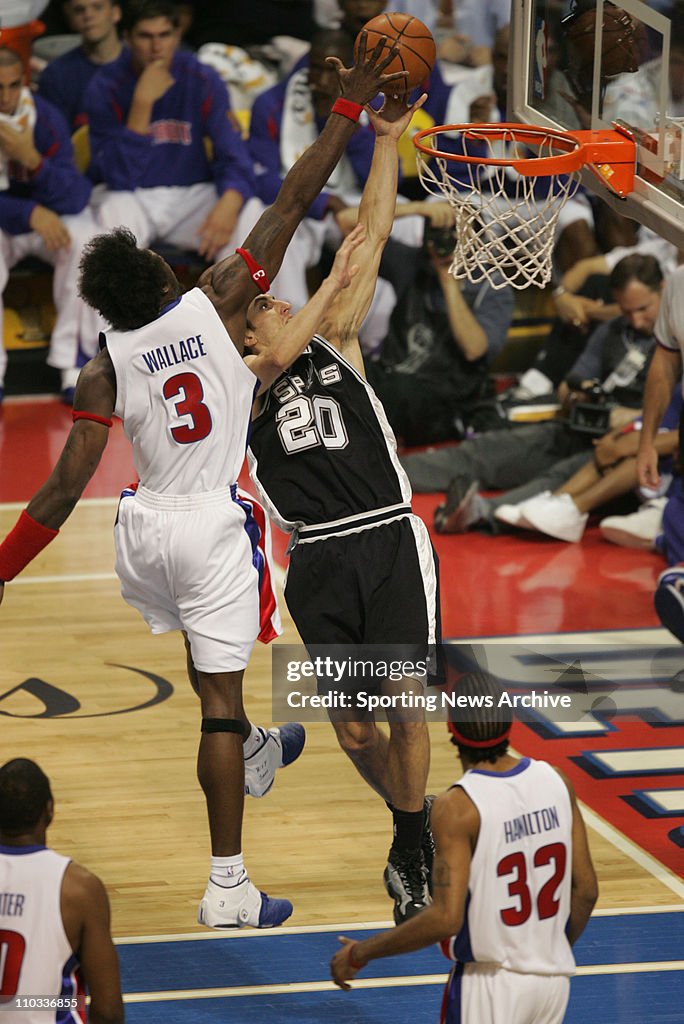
{"x":185,"y":546}
{"x":513,"y":881}
{"x":54,"y":916}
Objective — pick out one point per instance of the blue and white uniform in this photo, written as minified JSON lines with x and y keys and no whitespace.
{"x":163,"y":185}
{"x":36,"y":958}
{"x":185,"y":540}
{"x":513,"y":958}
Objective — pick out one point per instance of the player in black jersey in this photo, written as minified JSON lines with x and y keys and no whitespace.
{"x":362,"y":568}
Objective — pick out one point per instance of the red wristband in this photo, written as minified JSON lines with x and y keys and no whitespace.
{"x":26,"y":540}
{"x":80,"y":415}
{"x":257,"y":273}
{"x":347,"y":108}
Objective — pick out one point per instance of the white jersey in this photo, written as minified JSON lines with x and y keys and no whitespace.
{"x":35,"y":956}
{"x":518,"y":901}
{"x":185,"y":397}
{"x":669,"y":328}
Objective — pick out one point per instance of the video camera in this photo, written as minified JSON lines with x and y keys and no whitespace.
{"x":591,"y":414}
{"x":442,"y":240}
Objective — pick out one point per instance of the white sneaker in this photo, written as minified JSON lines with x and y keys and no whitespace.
{"x":509,"y":514}
{"x":639,"y":530}
{"x":556,"y":515}
{"x":281,"y":747}
{"x":241,"y":907}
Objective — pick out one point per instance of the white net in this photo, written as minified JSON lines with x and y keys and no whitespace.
{"x":505,"y":221}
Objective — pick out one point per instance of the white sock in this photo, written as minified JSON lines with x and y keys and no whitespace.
{"x":254,"y":741}
{"x":228,"y":872}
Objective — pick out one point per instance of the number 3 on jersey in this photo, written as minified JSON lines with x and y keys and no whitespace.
{"x":308,"y":422}
{"x":515,"y":864}
{"x":186,"y":392}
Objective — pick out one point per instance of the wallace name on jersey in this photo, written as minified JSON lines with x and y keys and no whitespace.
{"x":172,"y":354}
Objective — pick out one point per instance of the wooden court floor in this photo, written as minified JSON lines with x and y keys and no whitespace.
{"x":75,"y":661}
{"x":107,"y":711}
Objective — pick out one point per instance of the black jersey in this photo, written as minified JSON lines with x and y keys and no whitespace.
{"x":321,"y":448}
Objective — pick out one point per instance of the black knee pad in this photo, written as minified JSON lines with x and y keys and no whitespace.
{"x":224,"y":725}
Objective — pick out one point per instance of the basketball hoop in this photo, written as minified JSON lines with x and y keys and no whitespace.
{"x":506,"y":200}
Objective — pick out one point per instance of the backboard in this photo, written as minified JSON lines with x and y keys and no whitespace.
{"x":551,"y":82}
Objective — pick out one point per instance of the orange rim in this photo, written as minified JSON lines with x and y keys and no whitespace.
{"x":581,"y":147}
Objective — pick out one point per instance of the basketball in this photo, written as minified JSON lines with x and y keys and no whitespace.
{"x":618,"y":47}
{"x":416,"y":47}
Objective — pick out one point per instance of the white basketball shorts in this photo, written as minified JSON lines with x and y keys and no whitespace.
{"x":186,"y":562}
{"x":487,"y":994}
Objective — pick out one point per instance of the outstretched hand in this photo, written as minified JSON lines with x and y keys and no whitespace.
{"x":341,"y":272}
{"x":394,"y":116}
{"x":341,"y":966}
{"x":365,"y":79}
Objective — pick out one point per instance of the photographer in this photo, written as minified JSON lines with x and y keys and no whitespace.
{"x":432,"y":374}
{"x":508,"y":460}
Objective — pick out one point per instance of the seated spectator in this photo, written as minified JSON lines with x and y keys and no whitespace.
{"x":149,"y":113}
{"x":63,"y":82}
{"x":42,"y":196}
{"x":617,"y":354}
{"x":432,"y":371}
{"x":610,"y":474}
{"x":583,"y":298}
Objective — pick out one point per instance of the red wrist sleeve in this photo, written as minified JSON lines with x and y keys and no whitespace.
{"x":256,"y":272}
{"x":347,"y":108}
{"x":26,"y":540}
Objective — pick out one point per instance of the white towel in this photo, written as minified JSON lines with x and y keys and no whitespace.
{"x":298,"y":131}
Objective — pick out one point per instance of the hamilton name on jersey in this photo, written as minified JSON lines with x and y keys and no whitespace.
{"x":174,"y":353}
{"x":531,"y":824}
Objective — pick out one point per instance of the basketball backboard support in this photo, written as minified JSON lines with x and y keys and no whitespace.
{"x":550,"y":84}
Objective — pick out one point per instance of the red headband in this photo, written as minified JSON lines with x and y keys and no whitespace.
{"x":478,"y":744}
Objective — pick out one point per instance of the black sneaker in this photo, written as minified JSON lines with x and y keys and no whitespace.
{"x":457,"y":512}
{"x":405,"y":879}
{"x":427,"y":843}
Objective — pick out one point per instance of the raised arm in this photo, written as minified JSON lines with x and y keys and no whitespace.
{"x":53,"y":503}
{"x":268,"y":364}
{"x":228,"y":284}
{"x":376,"y":215}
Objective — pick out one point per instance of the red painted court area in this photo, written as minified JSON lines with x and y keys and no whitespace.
{"x":503,"y":586}
{"x":490,"y":586}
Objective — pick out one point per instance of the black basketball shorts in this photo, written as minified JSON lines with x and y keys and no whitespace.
{"x":376,"y":588}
